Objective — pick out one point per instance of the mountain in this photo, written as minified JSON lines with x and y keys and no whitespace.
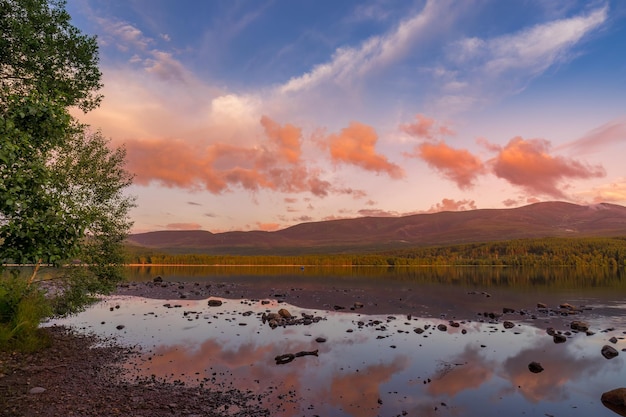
{"x":549,"y":219}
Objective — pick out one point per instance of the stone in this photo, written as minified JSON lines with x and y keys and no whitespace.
{"x":284,"y":313}
{"x":613,"y":340}
{"x":535,"y":367}
{"x":120,"y":326}
{"x":442,"y":327}
{"x":320,"y":339}
{"x":580,"y":326}
{"x":507,"y":310}
{"x":616,"y":396}
{"x":215,"y":303}
{"x":559,"y":338}
{"x":609,"y":352}
{"x":541,"y":305}
{"x":358,"y":305}
{"x":158,"y":278}
{"x":36,"y":390}
{"x":508,"y":324}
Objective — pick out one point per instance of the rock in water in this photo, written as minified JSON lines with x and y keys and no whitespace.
{"x":535,"y":367}
{"x":284,"y":313}
{"x":580,"y":326}
{"x":609,"y":352}
{"x":615,"y":397}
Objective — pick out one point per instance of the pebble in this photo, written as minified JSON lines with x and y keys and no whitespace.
{"x":36,"y":390}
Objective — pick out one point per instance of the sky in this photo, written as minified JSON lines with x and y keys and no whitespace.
{"x":262,"y":114}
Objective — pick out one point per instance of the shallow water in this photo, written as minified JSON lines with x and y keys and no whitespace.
{"x":373,"y":365}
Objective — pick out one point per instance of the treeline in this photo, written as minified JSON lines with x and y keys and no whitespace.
{"x":569,"y":252}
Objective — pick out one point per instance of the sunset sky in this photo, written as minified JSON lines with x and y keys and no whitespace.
{"x":260,"y":114}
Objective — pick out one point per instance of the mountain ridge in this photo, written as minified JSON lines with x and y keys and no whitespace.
{"x":538,"y":220}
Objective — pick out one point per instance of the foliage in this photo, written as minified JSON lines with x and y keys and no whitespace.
{"x":34,"y":225}
{"x":61,"y":187}
{"x":21,"y":310}
{"x":40,"y":51}
{"x":569,"y":252}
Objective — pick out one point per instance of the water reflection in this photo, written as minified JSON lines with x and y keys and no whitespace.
{"x":368,"y":365}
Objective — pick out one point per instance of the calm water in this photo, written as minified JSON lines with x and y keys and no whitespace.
{"x":378,"y":365}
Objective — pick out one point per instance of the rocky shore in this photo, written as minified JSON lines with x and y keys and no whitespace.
{"x":77,"y":375}
{"x":73,"y":378}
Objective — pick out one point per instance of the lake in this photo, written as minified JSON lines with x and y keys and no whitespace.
{"x":388,"y":341}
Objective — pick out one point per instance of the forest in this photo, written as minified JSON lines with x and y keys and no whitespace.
{"x":567,"y":252}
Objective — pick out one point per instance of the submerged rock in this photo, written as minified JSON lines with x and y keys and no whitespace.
{"x":609,"y":352}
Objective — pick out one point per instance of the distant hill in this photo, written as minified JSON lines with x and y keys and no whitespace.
{"x":549,"y":219}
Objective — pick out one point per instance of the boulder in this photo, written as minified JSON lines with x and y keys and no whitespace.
{"x":508,"y":324}
{"x":559,"y":338}
{"x":215,"y":303}
{"x":609,"y":352}
{"x":284,"y":313}
{"x":616,"y":396}
{"x":580,"y":326}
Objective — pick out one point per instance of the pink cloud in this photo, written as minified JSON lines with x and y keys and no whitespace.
{"x":528,"y":164}
{"x":378,"y":213}
{"x":614,"y":192}
{"x":425,"y":128}
{"x":219,"y":167}
{"x":268,"y":227}
{"x":355,"y":145}
{"x":287,"y":138}
{"x":183,"y":226}
{"x":509,"y":202}
{"x":457,"y":165}
{"x":448,"y":204}
{"x":609,"y":133}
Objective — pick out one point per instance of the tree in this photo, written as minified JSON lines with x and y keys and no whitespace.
{"x":61,"y":186}
{"x":41,"y":51}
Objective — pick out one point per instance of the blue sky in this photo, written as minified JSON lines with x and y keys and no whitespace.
{"x":243,"y":115}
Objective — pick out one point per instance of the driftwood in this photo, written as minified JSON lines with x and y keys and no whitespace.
{"x":288,"y":357}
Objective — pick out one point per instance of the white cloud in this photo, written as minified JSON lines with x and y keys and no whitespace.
{"x":491,"y":68}
{"x":353,"y":63}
